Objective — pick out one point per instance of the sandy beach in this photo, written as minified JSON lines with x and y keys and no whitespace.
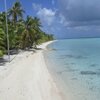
{"x":27,"y":78}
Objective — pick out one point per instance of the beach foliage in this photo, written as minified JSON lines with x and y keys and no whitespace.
{"x":24,"y":31}
{"x":2,"y":38}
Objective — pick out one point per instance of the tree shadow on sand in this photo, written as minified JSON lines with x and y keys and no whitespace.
{"x":2,"y":61}
{"x":38,"y":49}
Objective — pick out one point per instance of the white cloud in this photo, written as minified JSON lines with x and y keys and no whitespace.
{"x":36,"y":6}
{"x":51,"y":20}
{"x":46,"y":15}
{"x":63,"y":20}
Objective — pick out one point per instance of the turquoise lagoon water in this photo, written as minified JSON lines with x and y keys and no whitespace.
{"x":75,"y":64}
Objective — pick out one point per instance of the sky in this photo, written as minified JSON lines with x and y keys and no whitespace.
{"x":64,"y":18}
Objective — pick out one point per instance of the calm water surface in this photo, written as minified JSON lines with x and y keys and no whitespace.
{"x":75,"y":64}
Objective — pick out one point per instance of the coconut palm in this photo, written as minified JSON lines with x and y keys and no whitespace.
{"x":37,"y":23}
{"x":2,"y":37}
{"x":2,"y":20}
{"x":23,"y":33}
{"x":37,"y":31}
{"x":16,"y":12}
{"x":28,"y":33}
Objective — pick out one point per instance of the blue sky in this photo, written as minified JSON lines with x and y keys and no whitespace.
{"x":64,"y":18}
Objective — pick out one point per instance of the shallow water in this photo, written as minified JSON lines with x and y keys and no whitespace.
{"x":75,"y":64}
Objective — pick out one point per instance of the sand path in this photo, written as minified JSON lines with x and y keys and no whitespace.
{"x":27,"y":78}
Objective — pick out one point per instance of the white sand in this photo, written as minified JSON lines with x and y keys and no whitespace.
{"x":27,"y":78}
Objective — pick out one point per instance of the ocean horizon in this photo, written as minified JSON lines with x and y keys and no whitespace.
{"x":75,"y":66}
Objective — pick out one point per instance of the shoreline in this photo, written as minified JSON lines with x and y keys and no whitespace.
{"x":28,"y":78}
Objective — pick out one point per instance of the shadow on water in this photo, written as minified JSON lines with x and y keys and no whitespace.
{"x":93,"y":65}
{"x":69,"y":64}
{"x":67,"y":70}
{"x":73,"y":56}
{"x":98,"y":69}
{"x":89,"y":73}
{"x":74,"y":79}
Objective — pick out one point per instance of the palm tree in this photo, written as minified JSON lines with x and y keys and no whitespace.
{"x":2,"y":20}
{"x":2,"y":37}
{"x":36,"y":26}
{"x":28,"y":33}
{"x":37,"y":23}
{"x":16,"y":12}
{"x":22,"y":32}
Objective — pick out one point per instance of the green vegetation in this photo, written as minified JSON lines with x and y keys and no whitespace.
{"x":24,"y":33}
{"x":2,"y":38}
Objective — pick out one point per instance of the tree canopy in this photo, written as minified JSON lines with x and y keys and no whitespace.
{"x":23,"y":32}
